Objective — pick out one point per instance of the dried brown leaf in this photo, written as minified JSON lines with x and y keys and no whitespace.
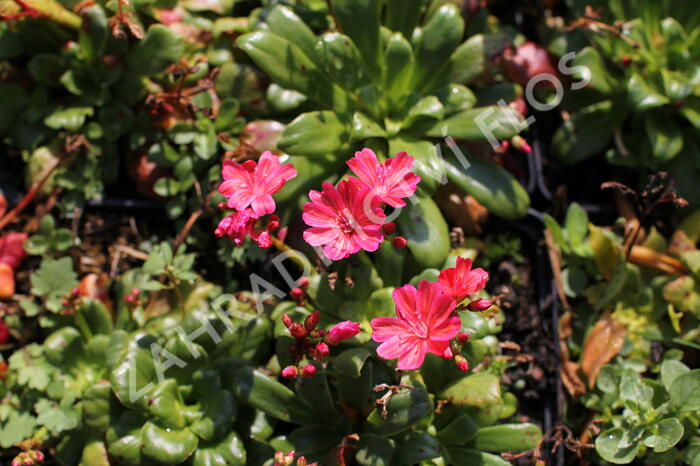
{"x":602,"y":344}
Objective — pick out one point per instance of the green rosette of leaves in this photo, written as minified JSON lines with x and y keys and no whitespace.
{"x":641,"y":106}
{"x":358,"y":408}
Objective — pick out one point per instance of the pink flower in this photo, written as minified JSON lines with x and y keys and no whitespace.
{"x":391,"y":181}
{"x":339,"y":221}
{"x":253,"y":184}
{"x":424,"y":323}
{"x":290,"y":372}
{"x":236,"y":226}
{"x":342,"y":331}
{"x":461,"y":280}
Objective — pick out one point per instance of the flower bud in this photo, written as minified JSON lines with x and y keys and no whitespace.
{"x":290,"y":372}
{"x":296,"y":330}
{"x":75,"y":291}
{"x":273,"y":223}
{"x":479,"y":305}
{"x":312,"y":320}
{"x":309,"y":370}
{"x":303,"y":283}
{"x":520,"y":143}
{"x":296,"y":294}
{"x":342,"y":331}
{"x":322,"y":349}
{"x":136,"y":291}
{"x":389,"y":228}
{"x":447,"y":354}
{"x":286,"y":320}
{"x":399,"y":242}
{"x":301,"y":461}
{"x":462,"y":337}
{"x":462,"y":363}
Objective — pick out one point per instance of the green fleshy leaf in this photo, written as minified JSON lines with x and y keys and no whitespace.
{"x":685,"y":391}
{"x":508,"y":437}
{"x":170,"y":446}
{"x":265,"y":393}
{"x":351,"y":361}
{"x":316,"y":134}
{"x":230,"y":451}
{"x":477,"y":389}
{"x":477,"y":124}
{"x":491,"y":185}
{"x":160,"y":48}
{"x":425,"y":229}
{"x":404,"y":409}
{"x":612,"y":445}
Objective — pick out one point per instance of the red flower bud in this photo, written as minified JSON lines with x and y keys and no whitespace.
{"x":399,"y":242}
{"x":479,"y":305}
{"x":342,"y":331}
{"x":309,"y":370}
{"x":389,"y":228}
{"x":290,"y":372}
{"x":312,"y":320}
{"x":286,"y":320}
{"x":303,"y":283}
{"x":297,"y":294}
{"x":296,"y":330}
{"x":322,"y":349}
{"x":136,"y":291}
{"x":462,"y":337}
{"x":462,"y":363}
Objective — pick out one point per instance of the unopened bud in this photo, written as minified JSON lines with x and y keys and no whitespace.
{"x":462,"y":363}
{"x":322,"y":349}
{"x":312,"y":320}
{"x":75,"y":291}
{"x":309,"y":370}
{"x":286,"y":320}
{"x":520,"y":143}
{"x":39,"y":456}
{"x":463,"y":337}
{"x":389,"y":228}
{"x":136,"y":291}
{"x":290,"y":372}
{"x":303,"y":283}
{"x":479,"y":305}
{"x":301,"y":461}
{"x":297,"y":294}
{"x":273,"y":223}
{"x":296,"y":330}
{"x":399,"y":242}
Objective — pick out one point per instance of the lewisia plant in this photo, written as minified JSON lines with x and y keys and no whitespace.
{"x":349,"y":218}
{"x":426,"y":319}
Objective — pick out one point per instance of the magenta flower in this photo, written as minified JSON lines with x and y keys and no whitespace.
{"x":236,"y":226}
{"x":461,"y":280}
{"x":343,"y":220}
{"x":342,"y":331}
{"x":391,"y":181}
{"x":424,"y":323}
{"x":253,"y":184}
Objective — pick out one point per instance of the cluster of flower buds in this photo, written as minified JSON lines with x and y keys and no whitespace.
{"x":389,"y":228}
{"x":133,"y":299}
{"x":71,"y":301}
{"x":28,"y":458}
{"x":454,"y":351}
{"x":313,"y":342}
{"x":288,"y":460}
